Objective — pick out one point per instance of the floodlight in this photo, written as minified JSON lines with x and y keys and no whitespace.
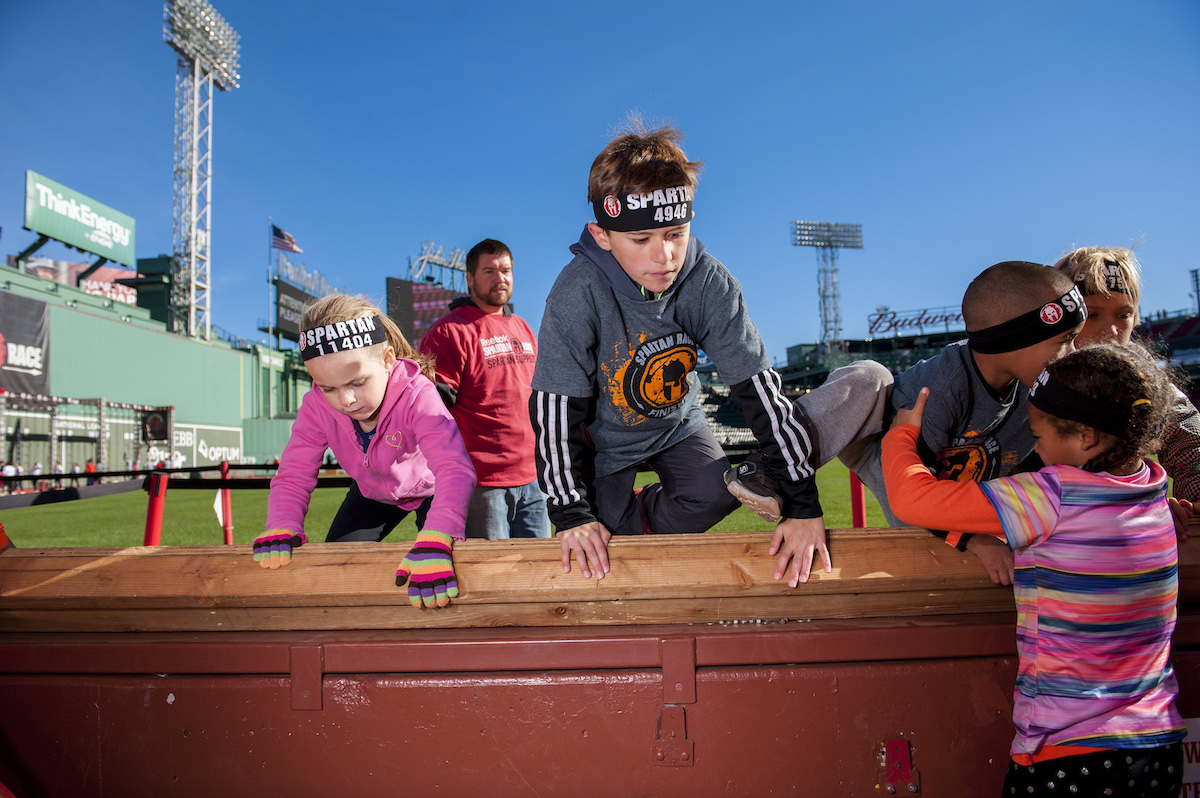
{"x":828,"y":238}
{"x":208,"y":56}
{"x":825,"y":234}
{"x":198,"y":33}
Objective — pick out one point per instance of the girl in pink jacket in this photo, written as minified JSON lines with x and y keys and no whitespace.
{"x":374,"y":404}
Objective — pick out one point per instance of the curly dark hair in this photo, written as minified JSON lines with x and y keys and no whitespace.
{"x":1118,"y":376}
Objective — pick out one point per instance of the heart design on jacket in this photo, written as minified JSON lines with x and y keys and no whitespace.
{"x":394,"y":439}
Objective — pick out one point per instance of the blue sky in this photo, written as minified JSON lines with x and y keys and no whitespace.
{"x":957,"y":134}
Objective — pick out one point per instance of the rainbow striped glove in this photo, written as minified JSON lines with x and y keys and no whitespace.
{"x":429,"y":571}
{"x":273,"y":549}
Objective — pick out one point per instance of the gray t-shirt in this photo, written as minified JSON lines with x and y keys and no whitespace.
{"x":969,"y":432}
{"x":601,"y":338}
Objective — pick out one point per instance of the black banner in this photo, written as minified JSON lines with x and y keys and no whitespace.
{"x":24,"y":344}
{"x":400,"y":306}
{"x":289,"y":307}
{"x":156,"y":425}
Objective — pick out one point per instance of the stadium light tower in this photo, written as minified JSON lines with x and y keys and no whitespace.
{"x":208,"y":56}
{"x":828,"y":239}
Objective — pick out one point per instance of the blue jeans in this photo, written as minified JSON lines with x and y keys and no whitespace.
{"x":497,"y":513}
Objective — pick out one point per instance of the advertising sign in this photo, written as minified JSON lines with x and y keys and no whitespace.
{"x":99,"y":282}
{"x":295,"y":273}
{"x":71,"y":218}
{"x":199,"y":445}
{"x":418,"y":304}
{"x":289,"y":308}
{"x":24,"y":344}
{"x":909,"y":322}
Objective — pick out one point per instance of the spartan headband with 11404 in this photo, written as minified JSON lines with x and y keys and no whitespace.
{"x":342,"y":336}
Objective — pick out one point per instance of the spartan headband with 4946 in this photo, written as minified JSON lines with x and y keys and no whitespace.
{"x":342,"y":336}
{"x":663,"y":207}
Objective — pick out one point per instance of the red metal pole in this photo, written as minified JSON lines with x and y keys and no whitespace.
{"x":154,"y":510}
{"x":226,"y":506}
{"x":858,"y":502}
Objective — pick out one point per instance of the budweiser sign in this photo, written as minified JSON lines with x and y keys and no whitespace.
{"x":902,"y":322}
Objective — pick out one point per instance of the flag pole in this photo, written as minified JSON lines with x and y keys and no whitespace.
{"x":270,"y":321}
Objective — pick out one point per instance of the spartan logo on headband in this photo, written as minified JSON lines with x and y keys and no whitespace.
{"x":342,"y":336}
{"x":663,"y":207}
{"x":1052,"y":313}
{"x":1041,"y":324}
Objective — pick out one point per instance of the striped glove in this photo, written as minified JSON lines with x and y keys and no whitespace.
{"x":273,"y":548}
{"x":429,"y":571}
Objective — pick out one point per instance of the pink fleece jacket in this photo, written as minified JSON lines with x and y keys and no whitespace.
{"x":416,"y":449}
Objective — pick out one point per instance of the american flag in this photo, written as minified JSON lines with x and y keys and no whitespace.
{"x":282,"y":239}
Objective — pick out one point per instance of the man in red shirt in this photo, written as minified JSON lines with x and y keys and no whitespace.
{"x":484,"y":356}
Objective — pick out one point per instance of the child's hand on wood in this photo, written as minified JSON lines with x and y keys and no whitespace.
{"x":590,"y":544}
{"x":912,"y":416}
{"x":273,"y":549}
{"x":429,"y":570}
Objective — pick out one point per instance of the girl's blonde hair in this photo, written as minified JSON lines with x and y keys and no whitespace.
{"x":339,"y":307}
{"x":1089,"y":266}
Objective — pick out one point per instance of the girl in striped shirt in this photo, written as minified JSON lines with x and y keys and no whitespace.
{"x":1096,"y":574}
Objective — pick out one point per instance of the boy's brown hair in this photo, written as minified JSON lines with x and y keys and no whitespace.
{"x":1010,"y":289}
{"x":639,"y":161}
{"x":339,"y":307}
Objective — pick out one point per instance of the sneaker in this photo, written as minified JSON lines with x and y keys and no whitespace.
{"x":750,"y":483}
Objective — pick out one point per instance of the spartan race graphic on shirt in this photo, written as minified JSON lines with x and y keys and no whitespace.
{"x":655,"y":380}
{"x":506,"y":350}
{"x":970,"y":458}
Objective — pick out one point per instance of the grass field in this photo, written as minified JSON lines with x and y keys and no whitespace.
{"x":189,"y":520}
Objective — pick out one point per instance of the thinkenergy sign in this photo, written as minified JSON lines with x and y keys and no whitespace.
{"x":54,"y":210}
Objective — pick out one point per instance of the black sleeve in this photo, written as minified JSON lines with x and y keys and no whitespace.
{"x":784,"y":433}
{"x":564,"y":459}
{"x":449,"y":395}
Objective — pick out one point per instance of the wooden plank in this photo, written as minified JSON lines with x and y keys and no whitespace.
{"x":489,"y":572}
{"x":660,"y":579}
{"x":654,"y":611}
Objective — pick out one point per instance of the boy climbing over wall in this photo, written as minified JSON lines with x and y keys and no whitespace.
{"x":614,"y":387}
{"x":1020,"y":317}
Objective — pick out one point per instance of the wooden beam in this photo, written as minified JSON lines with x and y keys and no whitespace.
{"x":661,"y":579}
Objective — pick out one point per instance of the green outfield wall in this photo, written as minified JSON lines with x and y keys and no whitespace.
{"x":229,"y":403}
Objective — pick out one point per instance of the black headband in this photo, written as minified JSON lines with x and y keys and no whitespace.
{"x":1053,"y":397}
{"x":1114,"y":281}
{"x":663,"y":207}
{"x":1051,"y":319}
{"x":342,"y":336}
